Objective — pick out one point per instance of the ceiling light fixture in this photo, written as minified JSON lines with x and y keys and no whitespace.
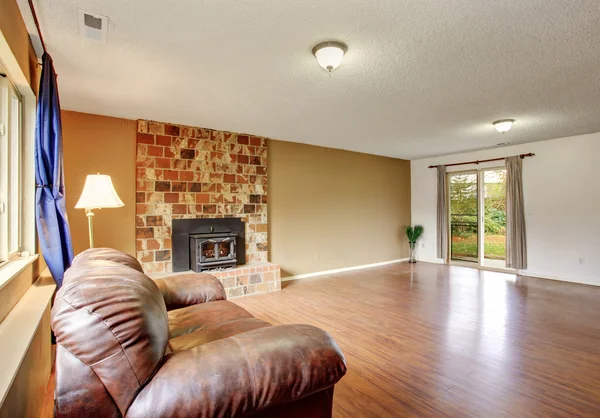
{"x":329,"y":54}
{"x":503,"y":125}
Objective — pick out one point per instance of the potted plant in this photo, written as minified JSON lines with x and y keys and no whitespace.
{"x":413,"y":233}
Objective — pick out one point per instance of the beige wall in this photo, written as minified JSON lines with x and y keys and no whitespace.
{"x":102,"y":144}
{"x":331,"y":209}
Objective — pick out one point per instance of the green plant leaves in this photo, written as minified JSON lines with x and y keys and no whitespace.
{"x":413,"y":233}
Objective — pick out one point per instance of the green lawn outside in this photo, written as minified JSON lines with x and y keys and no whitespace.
{"x":466,"y":246}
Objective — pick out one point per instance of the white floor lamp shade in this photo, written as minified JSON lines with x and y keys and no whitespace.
{"x":98,"y":192}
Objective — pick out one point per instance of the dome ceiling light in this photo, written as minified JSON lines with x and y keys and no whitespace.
{"x":503,"y":125}
{"x":329,"y":54}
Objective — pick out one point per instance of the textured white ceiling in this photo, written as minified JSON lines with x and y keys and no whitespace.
{"x":421,"y":77}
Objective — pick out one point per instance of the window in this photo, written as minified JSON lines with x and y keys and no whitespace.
{"x":10,"y":170}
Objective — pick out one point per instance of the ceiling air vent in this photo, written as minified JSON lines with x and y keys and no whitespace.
{"x":93,"y":26}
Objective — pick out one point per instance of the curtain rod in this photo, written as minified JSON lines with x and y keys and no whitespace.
{"x":531,"y":154}
{"x":37,"y":24}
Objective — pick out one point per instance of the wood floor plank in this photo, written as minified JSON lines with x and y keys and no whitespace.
{"x":433,"y":340}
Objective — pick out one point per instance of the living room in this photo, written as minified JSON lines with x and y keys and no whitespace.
{"x":232,"y":209}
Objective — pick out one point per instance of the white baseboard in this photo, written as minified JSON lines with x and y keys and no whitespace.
{"x":323,"y":273}
{"x":586,"y":281}
{"x":591,"y":282}
{"x":431,"y":260}
{"x":524,"y":273}
{"x":439,"y":261}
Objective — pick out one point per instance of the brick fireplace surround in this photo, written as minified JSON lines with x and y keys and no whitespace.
{"x":189,"y":172}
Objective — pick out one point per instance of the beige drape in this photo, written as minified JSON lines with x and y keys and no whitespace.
{"x":442,"y":212}
{"x":516,"y":240}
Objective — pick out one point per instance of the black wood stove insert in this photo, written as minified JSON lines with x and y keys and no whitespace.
{"x":209,"y":251}
{"x":206,"y":244}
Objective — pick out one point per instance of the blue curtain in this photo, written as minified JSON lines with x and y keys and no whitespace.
{"x":51,"y":211}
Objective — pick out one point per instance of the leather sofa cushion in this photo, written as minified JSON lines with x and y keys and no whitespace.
{"x":182,"y":290}
{"x":215,"y":332}
{"x":210,"y":321}
{"x":107,"y":254}
{"x":113,"y":319}
{"x":243,"y":375}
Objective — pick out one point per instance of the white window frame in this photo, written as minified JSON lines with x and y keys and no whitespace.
{"x":24,"y":208}
{"x":10,"y":170}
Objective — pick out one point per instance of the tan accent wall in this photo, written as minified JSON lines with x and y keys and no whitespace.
{"x":15,"y":32}
{"x":331,"y":209}
{"x":93,"y":144}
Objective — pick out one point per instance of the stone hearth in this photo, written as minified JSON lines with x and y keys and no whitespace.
{"x":245,"y":280}
{"x":250,"y":279}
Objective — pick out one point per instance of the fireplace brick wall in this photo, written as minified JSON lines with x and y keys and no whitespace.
{"x":190,"y":172}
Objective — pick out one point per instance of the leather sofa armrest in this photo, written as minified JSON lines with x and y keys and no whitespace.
{"x":184,"y":290}
{"x":243,"y":374}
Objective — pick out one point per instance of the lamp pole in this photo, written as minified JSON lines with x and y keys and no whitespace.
{"x":90,"y":216}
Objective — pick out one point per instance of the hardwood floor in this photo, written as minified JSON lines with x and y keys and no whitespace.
{"x":433,"y":340}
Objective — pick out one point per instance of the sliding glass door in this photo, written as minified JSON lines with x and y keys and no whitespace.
{"x":478,"y":217}
{"x":464,"y":209}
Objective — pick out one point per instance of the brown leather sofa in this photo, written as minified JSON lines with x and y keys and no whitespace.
{"x":131,"y":346}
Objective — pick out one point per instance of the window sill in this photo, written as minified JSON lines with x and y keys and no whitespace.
{"x":19,"y":327}
{"x":13,"y":268}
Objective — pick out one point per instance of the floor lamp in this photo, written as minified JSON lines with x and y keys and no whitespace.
{"x":98,"y":192}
